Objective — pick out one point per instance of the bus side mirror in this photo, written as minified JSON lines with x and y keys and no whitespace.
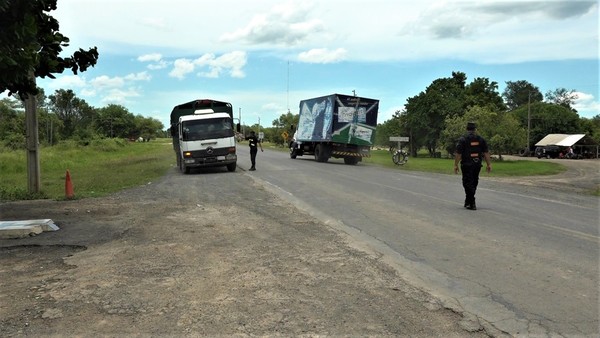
{"x":238,"y":127}
{"x":292,"y":127}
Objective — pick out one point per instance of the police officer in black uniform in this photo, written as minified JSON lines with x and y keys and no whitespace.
{"x":470,"y":151}
{"x":254,"y":143}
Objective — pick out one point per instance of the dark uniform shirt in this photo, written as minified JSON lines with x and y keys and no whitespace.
{"x":471,"y":147}
{"x":253,"y":141}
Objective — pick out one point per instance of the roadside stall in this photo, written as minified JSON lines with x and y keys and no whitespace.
{"x":571,"y":146}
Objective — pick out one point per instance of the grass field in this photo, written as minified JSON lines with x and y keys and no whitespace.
{"x":502,"y":168}
{"x":98,"y":169}
{"x":106,"y":166}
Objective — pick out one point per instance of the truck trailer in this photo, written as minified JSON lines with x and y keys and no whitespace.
{"x":203,"y":135}
{"x":339,"y":126}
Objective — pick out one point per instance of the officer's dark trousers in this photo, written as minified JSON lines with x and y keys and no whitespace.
{"x":253,"y":152}
{"x":470,"y":179}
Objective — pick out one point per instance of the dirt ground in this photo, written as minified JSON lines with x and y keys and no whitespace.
{"x":190,"y":256}
{"x":582,"y":176}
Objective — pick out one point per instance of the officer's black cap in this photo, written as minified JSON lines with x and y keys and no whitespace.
{"x":471,"y":126}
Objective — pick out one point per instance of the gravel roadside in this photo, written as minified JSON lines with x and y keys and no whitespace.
{"x":188,"y":255}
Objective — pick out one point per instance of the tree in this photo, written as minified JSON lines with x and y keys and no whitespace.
{"x":591,"y":127}
{"x":146,"y":128}
{"x":426,"y":113}
{"x":484,"y":93}
{"x":12,"y":124}
{"x":548,"y":118}
{"x":74,"y":112}
{"x":116,"y":121}
{"x":520,"y":93}
{"x":501,"y":130}
{"x":562,"y":97}
{"x":391,"y":127}
{"x":284,"y":123}
{"x":30,"y":44}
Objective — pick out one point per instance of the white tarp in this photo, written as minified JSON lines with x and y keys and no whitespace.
{"x":565,"y":140}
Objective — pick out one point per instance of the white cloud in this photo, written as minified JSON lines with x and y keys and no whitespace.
{"x":587,"y":103}
{"x":67,"y":81}
{"x":404,"y":30}
{"x":119,"y":96}
{"x":323,"y":55}
{"x":181,"y":67}
{"x":286,"y":24}
{"x":141,"y":76}
{"x":158,"y":65}
{"x":104,"y":81}
{"x":211,"y":66}
{"x":156,"y":23}
{"x":155,"y":57}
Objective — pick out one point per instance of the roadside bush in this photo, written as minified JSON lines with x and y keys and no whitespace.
{"x":16,"y":194}
{"x":14,"y":141}
{"x":108,"y":144}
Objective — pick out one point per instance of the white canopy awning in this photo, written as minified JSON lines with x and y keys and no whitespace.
{"x":565,"y":140}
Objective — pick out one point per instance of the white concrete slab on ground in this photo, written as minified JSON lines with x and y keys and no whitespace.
{"x":21,"y":229}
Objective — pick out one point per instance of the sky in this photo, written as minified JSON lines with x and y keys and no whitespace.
{"x":264,"y":56}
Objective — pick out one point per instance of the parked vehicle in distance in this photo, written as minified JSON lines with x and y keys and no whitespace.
{"x":336,"y":125}
{"x":547,"y":152}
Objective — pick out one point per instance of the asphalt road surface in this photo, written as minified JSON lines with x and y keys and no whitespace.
{"x":526,"y":261}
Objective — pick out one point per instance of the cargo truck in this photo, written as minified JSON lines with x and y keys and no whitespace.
{"x":203,"y":135}
{"x":338,"y":126}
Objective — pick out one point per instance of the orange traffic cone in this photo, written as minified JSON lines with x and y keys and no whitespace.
{"x":69,"y":186}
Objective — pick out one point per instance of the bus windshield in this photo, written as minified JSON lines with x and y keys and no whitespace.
{"x":197,"y":130}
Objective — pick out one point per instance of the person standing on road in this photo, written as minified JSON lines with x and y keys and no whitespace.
{"x":254,"y":143}
{"x":470,"y":150}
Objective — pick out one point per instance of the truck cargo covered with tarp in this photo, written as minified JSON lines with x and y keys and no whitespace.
{"x":338,"y":126}
{"x":338,"y":118}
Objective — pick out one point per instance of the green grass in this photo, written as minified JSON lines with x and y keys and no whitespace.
{"x":101,"y":168}
{"x":446,"y":165}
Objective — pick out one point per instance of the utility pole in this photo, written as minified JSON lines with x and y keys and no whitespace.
{"x":33,"y":156}
{"x":528,"y":122}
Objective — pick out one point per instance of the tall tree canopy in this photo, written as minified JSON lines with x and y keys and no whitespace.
{"x":501,"y":130}
{"x":548,"y":118}
{"x":426,"y":113}
{"x":520,"y":93}
{"x":30,"y":44}
{"x":71,"y":110}
{"x":562,"y":97}
{"x":484,"y":93}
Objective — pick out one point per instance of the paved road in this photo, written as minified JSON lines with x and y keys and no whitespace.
{"x":526,"y":261}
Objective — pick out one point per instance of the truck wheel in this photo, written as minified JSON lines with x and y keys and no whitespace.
{"x":186,"y":169}
{"x":351,"y":160}
{"x":231,"y":167}
{"x":293,"y":151}
{"x":318,"y":152}
{"x":321,"y":153}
